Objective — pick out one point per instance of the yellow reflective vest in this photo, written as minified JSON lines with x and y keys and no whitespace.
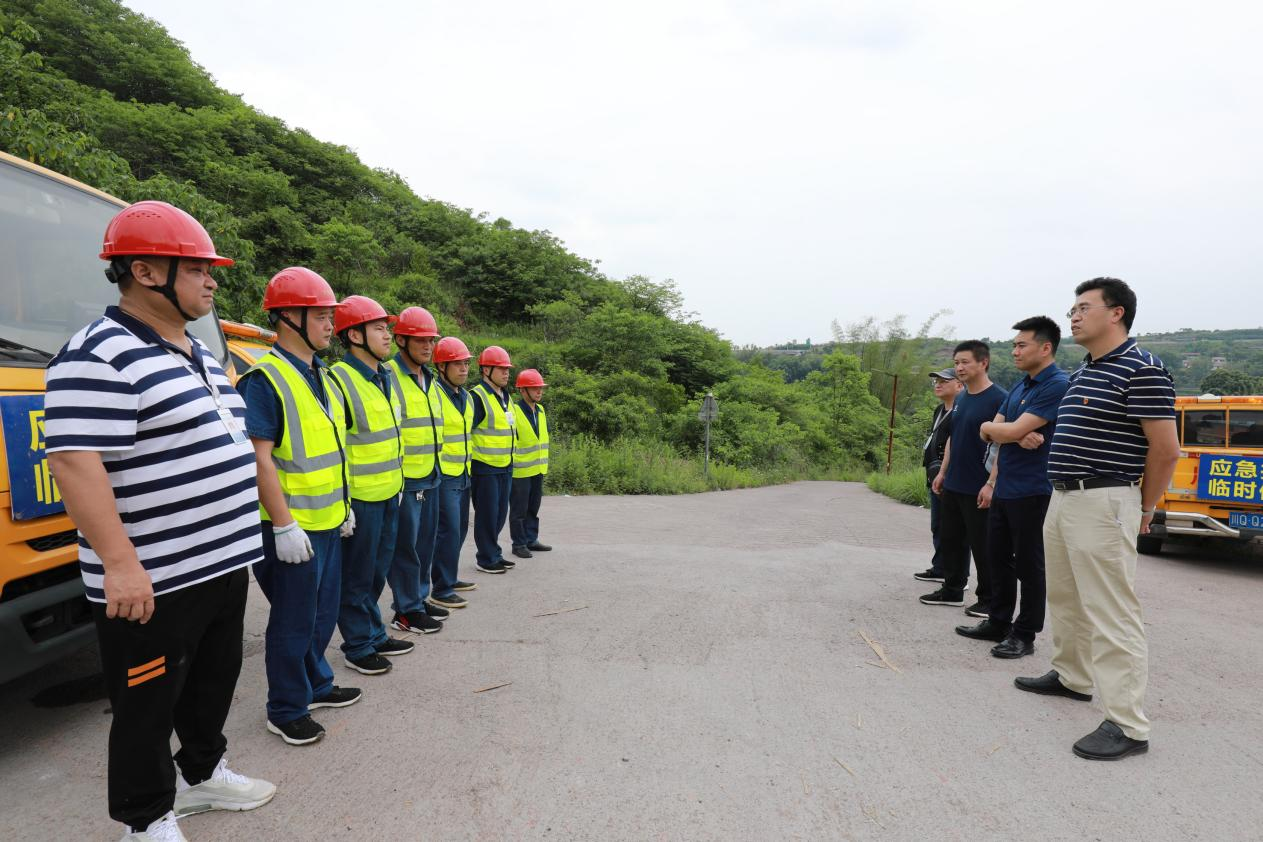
{"x":454,"y":454}
{"x":374,"y":450}
{"x":530,"y":453}
{"x":310,"y":458}
{"x":493,"y":437}
{"x":420,"y":420}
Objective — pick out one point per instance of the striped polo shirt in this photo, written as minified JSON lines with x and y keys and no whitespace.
{"x":1098,"y":425}
{"x":184,"y":489}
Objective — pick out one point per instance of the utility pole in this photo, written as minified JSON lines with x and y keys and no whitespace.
{"x":890,"y":433}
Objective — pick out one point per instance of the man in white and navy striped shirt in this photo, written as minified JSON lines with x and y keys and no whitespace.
{"x":1115,"y":428}
{"x":145,"y":437}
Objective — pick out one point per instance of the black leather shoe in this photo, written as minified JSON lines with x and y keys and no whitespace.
{"x":986,"y":630}
{"x":1013,"y":647}
{"x":536,"y":546}
{"x":1108,"y":742}
{"x":1049,"y":684}
{"x":522,"y":552}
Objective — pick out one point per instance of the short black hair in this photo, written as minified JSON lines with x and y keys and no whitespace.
{"x":981,"y":350}
{"x":1115,"y":293}
{"x":1044,"y":328}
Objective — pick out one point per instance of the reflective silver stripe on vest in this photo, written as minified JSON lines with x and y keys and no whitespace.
{"x":301,"y":463}
{"x":420,"y":449}
{"x":524,"y":451}
{"x":313,"y":501}
{"x":533,"y":463}
{"x":374,"y":437}
{"x":457,"y":439}
{"x":458,"y":458}
{"x":415,"y":422}
{"x":495,"y":451}
{"x":363,"y":469}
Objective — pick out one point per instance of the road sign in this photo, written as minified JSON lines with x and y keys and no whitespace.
{"x":710,"y":409}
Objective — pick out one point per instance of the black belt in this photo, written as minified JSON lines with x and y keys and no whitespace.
{"x":1090,"y":482}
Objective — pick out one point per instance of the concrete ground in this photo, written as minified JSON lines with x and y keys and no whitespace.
{"x":713,"y":683}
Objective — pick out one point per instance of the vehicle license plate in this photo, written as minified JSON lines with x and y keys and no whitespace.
{"x":1245,"y":520}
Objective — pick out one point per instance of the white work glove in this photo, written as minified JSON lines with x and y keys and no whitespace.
{"x":348,"y":526}
{"x":292,"y":544}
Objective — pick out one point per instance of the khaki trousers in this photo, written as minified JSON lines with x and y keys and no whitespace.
{"x":1098,"y":636}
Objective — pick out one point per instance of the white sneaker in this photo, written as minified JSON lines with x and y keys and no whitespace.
{"x":164,"y":829}
{"x":223,"y":790}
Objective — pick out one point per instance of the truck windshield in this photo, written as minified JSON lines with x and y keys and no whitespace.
{"x":51,"y":280}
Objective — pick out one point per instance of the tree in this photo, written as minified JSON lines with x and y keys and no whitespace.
{"x":1225,"y":381}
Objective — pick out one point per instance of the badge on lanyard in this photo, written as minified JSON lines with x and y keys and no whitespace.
{"x":231,"y":424}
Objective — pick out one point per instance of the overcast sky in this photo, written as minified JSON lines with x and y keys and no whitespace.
{"x":790,"y":163}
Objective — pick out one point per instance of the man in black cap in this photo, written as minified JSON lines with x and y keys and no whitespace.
{"x":946,"y":387}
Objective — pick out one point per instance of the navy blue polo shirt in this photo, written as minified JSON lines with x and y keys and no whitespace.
{"x":966,"y":473}
{"x":1024,"y":473}
{"x":265,"y":419}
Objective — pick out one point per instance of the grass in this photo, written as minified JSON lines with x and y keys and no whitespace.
{"x":584,"y":465}
{"x":906,"y":486}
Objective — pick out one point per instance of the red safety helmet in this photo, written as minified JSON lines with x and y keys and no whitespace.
{"x":450,"y":350}
{"x":356,"y":310}
{"x":529,"y":378}
{"x":494,"y":355}
{"x":156,"y":228}
{"x":416,"y":321}
{"x":298,"y":286}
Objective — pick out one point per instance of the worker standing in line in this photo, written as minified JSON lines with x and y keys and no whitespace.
{"x":530,"y":464}
{"x":421,"y":426}
{"x":144,"y":435}
{"x":294,"y":417}
{"x":376,"y":470}
{"x":492,"y":451}
{"x":451,"y":358}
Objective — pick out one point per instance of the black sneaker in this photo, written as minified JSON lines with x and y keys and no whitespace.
{"x":977,"y":610}
{"x":522,"y":552}
{"x":453,"y":601}
{"x":492,"y":568}
{"x":417,"y":622}
{"x":300,"y":732}
{"x":337,"y":697}
{"x":395,"y":646}
{"x":943,"y":596}
{"x":435,"y":612}
{"x":373,"y":664}
{"x":506,"y":564}
{"x":464,"y":586}
{"x":536,"y":546}
{"x":930,"y":575}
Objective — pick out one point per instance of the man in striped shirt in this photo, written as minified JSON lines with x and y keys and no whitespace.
{"x":1111,"y":459}
{"x":145,"y":437}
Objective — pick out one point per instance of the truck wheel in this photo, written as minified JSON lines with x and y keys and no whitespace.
{"x":1148,"y":544}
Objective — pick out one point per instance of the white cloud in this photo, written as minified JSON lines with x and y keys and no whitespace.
{"x":790,"y":163}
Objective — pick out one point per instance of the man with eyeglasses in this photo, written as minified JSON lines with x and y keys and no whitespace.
{"x":1111,"y":459}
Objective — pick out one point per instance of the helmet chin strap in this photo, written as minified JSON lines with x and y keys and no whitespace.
{"x":168,"y":290}
{"x":407,"y":352}
{"x":300,"y":329}
{"x":346,"y":337}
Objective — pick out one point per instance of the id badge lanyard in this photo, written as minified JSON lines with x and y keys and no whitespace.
{"x":230,"y":422}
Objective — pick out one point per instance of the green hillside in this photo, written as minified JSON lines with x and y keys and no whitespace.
{"x":105,"y":95}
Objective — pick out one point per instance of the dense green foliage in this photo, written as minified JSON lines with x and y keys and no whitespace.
{"x":104,"y":95}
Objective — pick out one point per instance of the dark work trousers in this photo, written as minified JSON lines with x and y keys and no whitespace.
{"x":305,"y":599}
{"x":524,"y":502}
{"x":409,"y":575}
{"x":366,"y":556}
{"x":178,"y":671}
{"x":936,"y":507}
{"x":1016,"y":541}
{"x":490,"y":496}
{"x":963,"y":528}
{"x":449,"y":536}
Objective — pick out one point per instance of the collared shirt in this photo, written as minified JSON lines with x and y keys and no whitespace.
{"x":966,"y":471}
{"x":183,"y":479}
{"x":1024,"y":473}
{"x":265,"y":418}
{"x":377,"y":376}
{"x":1098,"y":426}
{"x":532,"y":415}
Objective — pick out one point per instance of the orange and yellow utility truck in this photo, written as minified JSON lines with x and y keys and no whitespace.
{"x":51,"y":284}
{"x":1217,"y":489}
